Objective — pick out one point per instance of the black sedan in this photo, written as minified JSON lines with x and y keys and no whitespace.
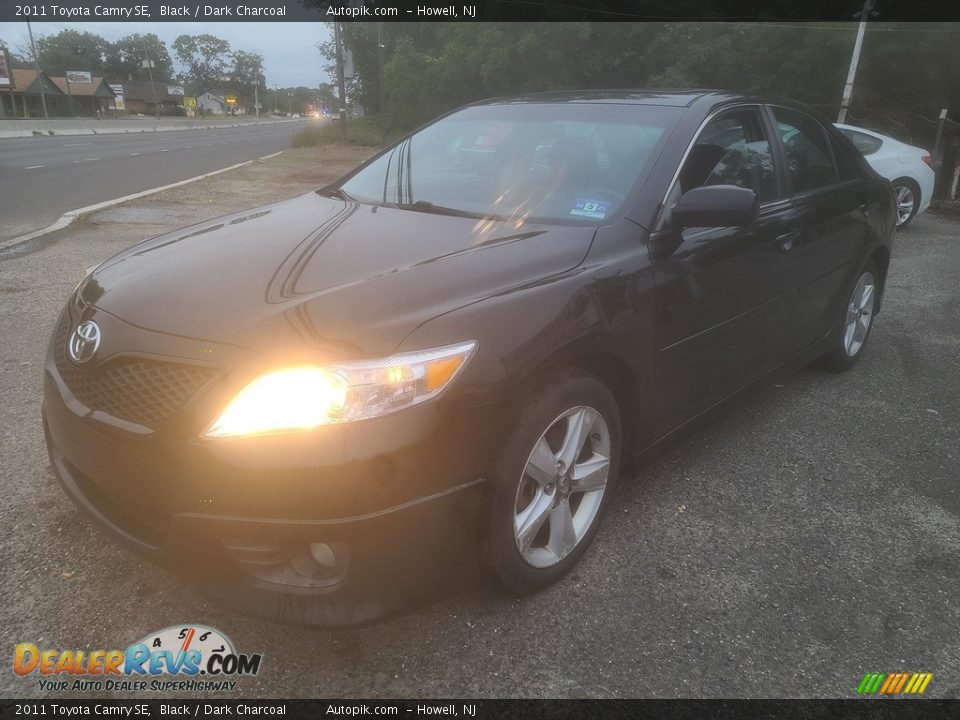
{"x":314,"y":407}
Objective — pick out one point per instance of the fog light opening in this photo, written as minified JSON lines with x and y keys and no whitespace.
{"x":323,"y":554}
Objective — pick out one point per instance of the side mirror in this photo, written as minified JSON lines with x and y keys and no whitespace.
{"x":716,"y":206}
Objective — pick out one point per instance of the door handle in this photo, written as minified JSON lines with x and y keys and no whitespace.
{"x":787,"y":239}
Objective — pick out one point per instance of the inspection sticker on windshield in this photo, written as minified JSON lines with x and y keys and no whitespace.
{"x":591,"y":208}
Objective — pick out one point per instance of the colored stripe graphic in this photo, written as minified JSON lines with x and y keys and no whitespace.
{"x":894,"y":683}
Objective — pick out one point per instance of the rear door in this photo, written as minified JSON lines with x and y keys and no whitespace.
{"x":725,"y":294}
{"x":832,"y":200}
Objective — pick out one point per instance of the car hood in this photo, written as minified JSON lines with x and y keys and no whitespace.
{"x":319,"y":272}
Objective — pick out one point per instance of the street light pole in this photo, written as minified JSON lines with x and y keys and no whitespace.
{"x":854,"y":61}
{"x":290,"y":103}
{"x":36,"y":63}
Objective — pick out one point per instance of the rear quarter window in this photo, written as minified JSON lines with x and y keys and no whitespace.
{"x":867,"y":144}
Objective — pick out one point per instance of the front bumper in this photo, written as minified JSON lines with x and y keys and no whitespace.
{"x":333,"y":527}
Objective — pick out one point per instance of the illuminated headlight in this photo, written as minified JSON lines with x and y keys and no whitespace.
{"x":307,"y":397}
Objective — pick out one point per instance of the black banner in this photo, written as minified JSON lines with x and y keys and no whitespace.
{"x":467,"y":10}
{"x":483,"y":709}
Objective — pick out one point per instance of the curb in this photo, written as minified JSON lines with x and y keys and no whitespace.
{"x":68,"y":217}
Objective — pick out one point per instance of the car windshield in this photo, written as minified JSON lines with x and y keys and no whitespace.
{"x":540,"y":161}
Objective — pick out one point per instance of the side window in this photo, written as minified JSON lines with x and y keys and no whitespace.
{"x":845,"y":165}
{"x":732,"y":150}
{"x":867,"y":144}
{"x":809,"y":161}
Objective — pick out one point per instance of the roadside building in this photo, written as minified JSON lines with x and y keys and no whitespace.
{"x":213,"y":104}
{"x":86,"y":99}
{"x":22,"y":98}
{"x":140,"y":97}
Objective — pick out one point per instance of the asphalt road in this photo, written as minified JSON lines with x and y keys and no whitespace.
{"x":810,"y":536}
{"x":43,"y":177}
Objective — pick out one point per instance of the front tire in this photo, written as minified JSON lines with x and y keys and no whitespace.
{"x":553,"y":480}
{"x":856,"y":320}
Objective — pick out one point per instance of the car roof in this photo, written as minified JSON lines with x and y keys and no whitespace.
{"x":702,"y":101}
{"x":673,"y":98}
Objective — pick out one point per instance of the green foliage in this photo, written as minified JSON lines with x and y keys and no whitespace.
{"x":207,"y":59}
{"x":125,"y":58}
{"x":434,"y":67}
{"x":360,"y":131}
{"x":247,"y":73}
{"x":72,"y":50}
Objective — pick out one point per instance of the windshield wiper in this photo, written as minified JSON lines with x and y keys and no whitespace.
{"x":337,"y":193}
{"x":425,"y":206}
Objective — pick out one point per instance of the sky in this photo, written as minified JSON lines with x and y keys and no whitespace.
{"x":290,"y":56}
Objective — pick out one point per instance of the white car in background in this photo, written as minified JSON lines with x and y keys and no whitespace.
{"x":909,"y":169}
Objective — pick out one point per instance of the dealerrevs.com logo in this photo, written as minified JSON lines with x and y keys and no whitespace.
{"x":180,"y":658}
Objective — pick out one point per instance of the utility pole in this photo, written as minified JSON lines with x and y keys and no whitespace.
{"x":36,"y":63}
{"x":256,"y":98}
{"x":938,"y":149}
{"x":341,"y":85}
{"x":383,"y":85}
{"x":149,"y":64}
{"x":276,"y":95}
{"x":290,"y":103}
{"x":855,"y":60}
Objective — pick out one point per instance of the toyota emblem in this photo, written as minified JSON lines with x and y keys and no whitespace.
{"x":84,"y":341}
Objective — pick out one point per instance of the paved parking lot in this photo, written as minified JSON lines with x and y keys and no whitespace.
{"x":810,"y":536}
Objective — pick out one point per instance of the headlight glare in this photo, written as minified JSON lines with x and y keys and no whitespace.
{"x":299,"y":398}
{"x":303,"y":398}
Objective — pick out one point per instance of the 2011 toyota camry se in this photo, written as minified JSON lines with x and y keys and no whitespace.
{"x":456,"y":350}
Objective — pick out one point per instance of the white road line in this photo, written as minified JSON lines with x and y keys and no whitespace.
{"x":132,"y":154}
{"x":267,"y":157}
{"x":33,"y":167}
{"x":165,"y":150}
{"x":189,"y":147}
{"x":75,"y":144}
{"x":69,"y":217}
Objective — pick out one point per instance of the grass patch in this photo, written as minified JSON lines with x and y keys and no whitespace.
{"x":360,"y":131}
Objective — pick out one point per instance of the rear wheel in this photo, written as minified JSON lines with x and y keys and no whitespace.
{"x":907,"y":194}
{"x":856,"y":320}
{"x":553,"y":481}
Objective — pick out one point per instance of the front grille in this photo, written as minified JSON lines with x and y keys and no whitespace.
{"x":142,"y":391}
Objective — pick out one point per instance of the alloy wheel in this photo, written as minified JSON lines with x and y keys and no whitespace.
{"x":562,"y":486}
{"x":859,"y":314}
{"x":905,"y":202}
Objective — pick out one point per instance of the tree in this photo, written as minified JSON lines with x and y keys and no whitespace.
{"x":125,"y":58}
{"x":247,"y":72}
{"x":72,"y":50}
{"x":207,"y":58}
